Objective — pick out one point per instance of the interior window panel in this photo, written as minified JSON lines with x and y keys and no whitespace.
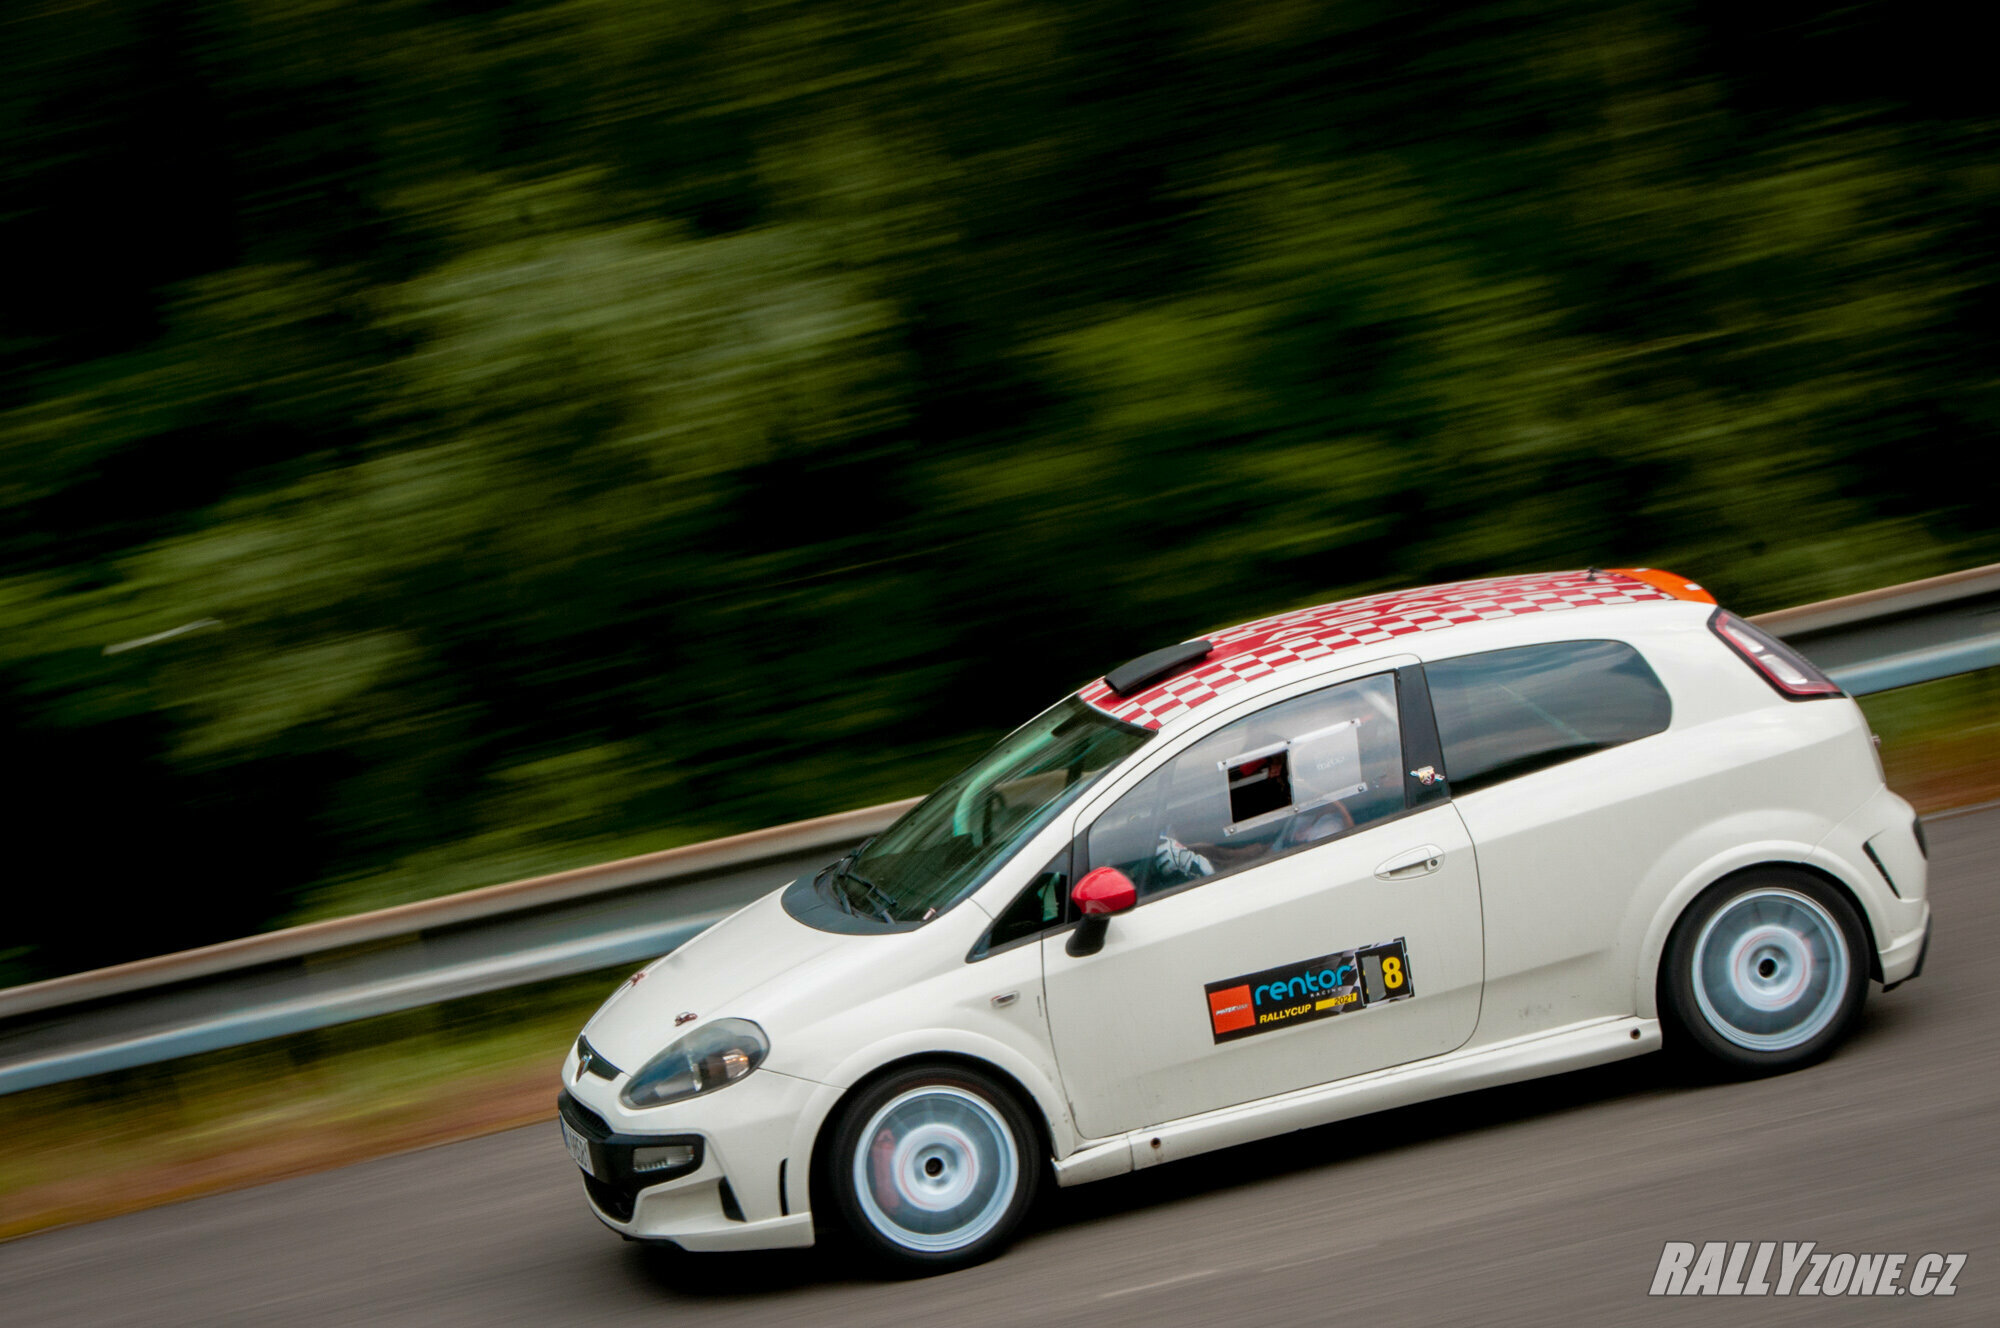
{"x":1289,"y":776}
{"x":1326,"y":765}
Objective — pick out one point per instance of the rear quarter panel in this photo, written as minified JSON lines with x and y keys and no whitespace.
{"x":1584,"y":866}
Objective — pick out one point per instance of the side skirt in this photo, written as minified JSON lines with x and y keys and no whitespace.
{"x":1574,"y":1048}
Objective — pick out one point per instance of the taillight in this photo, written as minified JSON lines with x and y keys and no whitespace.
{"x":1783,"y":667}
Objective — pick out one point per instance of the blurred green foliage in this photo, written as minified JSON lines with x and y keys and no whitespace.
{"x":607,"y":423}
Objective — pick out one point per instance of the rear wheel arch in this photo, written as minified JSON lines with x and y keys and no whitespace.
{"x":1668,"y":907}
{"x":1860,"y":907}
{"x":1745,"y":1030}
{"x":1694,"y":896}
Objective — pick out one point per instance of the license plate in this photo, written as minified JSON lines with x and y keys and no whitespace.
{"x":579,"y":1149}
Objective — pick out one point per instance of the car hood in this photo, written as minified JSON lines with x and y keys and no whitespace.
{"x":717,"y":975}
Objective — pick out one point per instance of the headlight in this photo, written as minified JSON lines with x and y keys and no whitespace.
{"x":709,"y":1058}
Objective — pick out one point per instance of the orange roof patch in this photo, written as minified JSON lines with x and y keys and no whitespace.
{"x":1672,"y":582}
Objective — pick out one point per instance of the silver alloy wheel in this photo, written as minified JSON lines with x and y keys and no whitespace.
{"x":936,"y":1169}
{"x":1770,"y":970}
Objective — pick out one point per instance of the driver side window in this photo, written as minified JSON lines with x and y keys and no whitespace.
{"x":1292,"y":775}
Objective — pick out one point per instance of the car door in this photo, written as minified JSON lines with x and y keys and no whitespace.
{"x":1308,"y":910}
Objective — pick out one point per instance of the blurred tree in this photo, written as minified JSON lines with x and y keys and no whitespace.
{"x":599,"y":424}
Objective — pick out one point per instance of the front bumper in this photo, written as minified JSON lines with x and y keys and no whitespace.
{"x":610,"y":1165}
{"x":742,"y":1190}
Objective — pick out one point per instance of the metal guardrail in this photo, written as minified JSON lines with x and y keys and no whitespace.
{"x":1880,"y":640}
{"x":327,"y":973}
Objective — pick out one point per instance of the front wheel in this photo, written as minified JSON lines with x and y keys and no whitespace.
{"x":932,"y":1168}
{"x":1766,"y":972}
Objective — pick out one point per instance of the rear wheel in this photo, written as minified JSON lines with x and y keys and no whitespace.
{"x":1765,"y":972}
{"x":932,"y":1167}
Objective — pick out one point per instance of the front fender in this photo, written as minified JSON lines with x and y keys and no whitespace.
{"x":1045,"y":1096}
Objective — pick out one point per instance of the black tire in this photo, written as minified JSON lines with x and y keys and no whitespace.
{"x":949,"y":1163}
{"x":1765,"y":972}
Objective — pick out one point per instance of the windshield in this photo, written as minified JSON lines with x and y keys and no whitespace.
{"x":946,"y":845}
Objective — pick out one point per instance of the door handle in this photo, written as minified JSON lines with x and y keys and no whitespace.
{"x":1419,"y":861}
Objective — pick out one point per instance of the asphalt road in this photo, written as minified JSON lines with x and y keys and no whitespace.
{"x":1540,"y":1203}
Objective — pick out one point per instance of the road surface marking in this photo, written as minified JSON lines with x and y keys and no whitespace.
{"x":1154,"y":1286}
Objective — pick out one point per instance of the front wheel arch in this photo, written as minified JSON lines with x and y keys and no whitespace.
{"x":1030,"y":1107}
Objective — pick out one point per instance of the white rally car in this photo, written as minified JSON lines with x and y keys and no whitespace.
{"x":1322,"y":864}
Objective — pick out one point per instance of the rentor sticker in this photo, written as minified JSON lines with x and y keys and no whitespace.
{"x":1338,"y":983}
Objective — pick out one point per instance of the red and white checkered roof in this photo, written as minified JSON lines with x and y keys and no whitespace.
{"x":1257,"y":649}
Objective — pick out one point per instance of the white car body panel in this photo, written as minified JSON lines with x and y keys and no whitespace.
{"x":706,"y":978}
{"x":1135,"y":1016}
{"x":1593,"y":1043}
{"x":1898,"y":915}
{"x":760,"y":1123}
{"x":1534,"y":946}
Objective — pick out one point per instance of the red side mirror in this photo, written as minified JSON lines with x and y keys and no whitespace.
{"x":1105,"y":890}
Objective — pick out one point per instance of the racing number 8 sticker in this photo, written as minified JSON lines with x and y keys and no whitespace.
{"x":1340,"y":983}
{"x":1385,"y":972}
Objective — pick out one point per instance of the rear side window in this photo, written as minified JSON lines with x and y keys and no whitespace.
{"x":1285,"y":778}
{"x":1508,"y":712}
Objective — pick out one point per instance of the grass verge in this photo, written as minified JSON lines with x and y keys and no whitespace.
{"x":118,"y":1142}
{"x":1941,"y":741}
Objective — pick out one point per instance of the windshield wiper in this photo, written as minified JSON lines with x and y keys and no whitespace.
{"x":844,"y":871}
{"x":828,"y":884}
